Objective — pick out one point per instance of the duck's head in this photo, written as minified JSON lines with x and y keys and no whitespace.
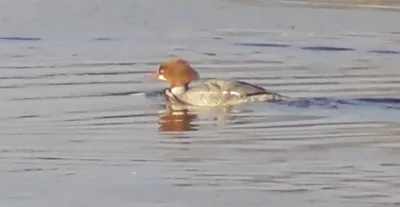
{"x":177,"y":72}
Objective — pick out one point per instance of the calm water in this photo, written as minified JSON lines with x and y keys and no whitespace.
{"x":76,"y":128}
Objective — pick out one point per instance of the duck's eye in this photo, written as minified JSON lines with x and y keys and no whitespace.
{"x":161,"y":70}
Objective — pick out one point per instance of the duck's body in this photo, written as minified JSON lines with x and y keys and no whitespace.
{"x":220,"y":92}
{"x":210,"y":93}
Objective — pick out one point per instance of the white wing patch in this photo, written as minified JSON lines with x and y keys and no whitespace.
{"x":235,"y":93}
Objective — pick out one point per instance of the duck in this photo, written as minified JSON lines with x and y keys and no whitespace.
{"x":210,"y":93}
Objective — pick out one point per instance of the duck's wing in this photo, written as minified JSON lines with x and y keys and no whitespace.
{"x":204,"y":94}
{"x":250,"y":89}
{"x":225,"y":92}
{"x":240,"y":88}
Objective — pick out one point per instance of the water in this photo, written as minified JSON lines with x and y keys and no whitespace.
{"x":77,"y":128}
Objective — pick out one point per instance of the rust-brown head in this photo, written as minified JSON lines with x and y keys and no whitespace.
{"x":177,"y":72}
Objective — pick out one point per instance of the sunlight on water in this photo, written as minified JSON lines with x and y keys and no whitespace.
{"x":83,"y":124}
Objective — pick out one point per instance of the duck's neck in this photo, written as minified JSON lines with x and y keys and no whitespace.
{"x":179,"y":90}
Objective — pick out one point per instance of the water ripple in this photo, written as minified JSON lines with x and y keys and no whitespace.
{"x":81,"y":123}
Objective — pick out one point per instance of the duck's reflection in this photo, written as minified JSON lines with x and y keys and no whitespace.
{"x":177,"y":121}
{"x":182,"y":119}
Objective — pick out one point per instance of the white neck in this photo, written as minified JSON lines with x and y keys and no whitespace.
{"x":178,"y":90}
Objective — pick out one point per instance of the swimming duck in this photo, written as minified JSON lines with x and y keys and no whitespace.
{"x":216,"y":92}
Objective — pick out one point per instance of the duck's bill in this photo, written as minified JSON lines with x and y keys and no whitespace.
{"x":153,"y":76}
{"x":156,"y":75}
